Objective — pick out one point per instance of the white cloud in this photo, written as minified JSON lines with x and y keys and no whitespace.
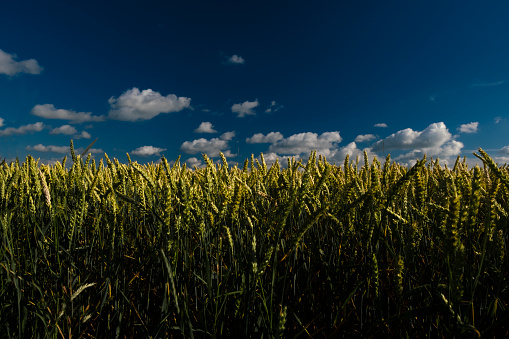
{"x":227,"y":135}
{"x":434,"y":141}
{"x":365,"y":137}
{"x":191,"y":162}
{"x":498,"y":119}
{"x":210,"y":147}
{"x":307,"y":142}
{"x":134,"y":105}
{"x":1,"y":122}
{"x":205,"y":127}
{"x":468,"y":128}
{"x":61,"y":149}
{"x":259,"y":138}
{"x":9,"y":66}
{"x":65,"y":129}
{"x":83,"y":135}
{"x":245,"y":108}
{"x":382,"y":124}
{"x":146,"y":151}
{"x":435,"y":135}
{"x":447,"y":153}
{"x":37,"y":127}
{"x":352,"y":151}
{"x":236,"y":59}
{"x":410,"y":158}
{"x":270,"y":158}
{"x":449,"y":149}
{"x":229,"y":154}
{"x":49,"y":148}
{"x":48,"y":111}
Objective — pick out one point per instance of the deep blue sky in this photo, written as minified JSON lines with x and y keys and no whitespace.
{"x":278,"y":77}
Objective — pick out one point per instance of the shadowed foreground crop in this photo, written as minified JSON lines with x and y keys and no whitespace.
{"x":309,"y":250}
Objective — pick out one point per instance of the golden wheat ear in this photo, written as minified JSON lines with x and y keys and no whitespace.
{"x":89,"y":147}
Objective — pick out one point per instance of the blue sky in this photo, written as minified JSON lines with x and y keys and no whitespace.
{"x":172,"y":78}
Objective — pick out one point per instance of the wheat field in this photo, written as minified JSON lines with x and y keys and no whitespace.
{"x":309,"y":249}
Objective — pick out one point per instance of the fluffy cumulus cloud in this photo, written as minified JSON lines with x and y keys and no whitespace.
{"x":382,"y":125}
{"x":468,"y":128}
{"x":245,"y":108}
{"x":135,"y":105}
{"x":9,"y":65}
{"x":270,"y":138}
{"x":70,"y":130}
{"x":270,"y":158}
{"x":352,"y":151}
{"x":435,"y":135}
{"x":193,"y":161}
{"x":65,"y":129}
{"x":229,"y":154}
{"x":307,"y":142}
{"x":37,"y":127}
{"x":435,"y":141}
{"x":48,"y":111}
{"x":449,"y":149}
{"x":83,"y":135}
{"x":447,"y":153}
{"x":365,"y":137}
{"x":227,"y":135}
{"x":61,"y":149}
{"x":205,"y":127}
{"x":236,"y":59}
{"x":210,"y":147}
{"x":146,"y":151}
